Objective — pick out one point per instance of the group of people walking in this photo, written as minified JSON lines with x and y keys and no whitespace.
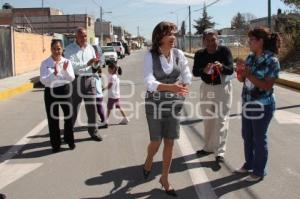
{"x":167,"y":77}
{"x":71,"y":78}
{"x":76,"y":76}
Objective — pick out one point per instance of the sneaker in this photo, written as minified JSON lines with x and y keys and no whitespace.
{"x":124,"y":121}
{"x":242,"y":170}
{"x":102,"y":125}
{"x":96,"y":136}
{"x":219,"y":159}
{"x":254,"y":178}
{"x":203,"y":152}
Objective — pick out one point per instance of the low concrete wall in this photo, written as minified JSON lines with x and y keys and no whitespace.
{"x":30,"y":51}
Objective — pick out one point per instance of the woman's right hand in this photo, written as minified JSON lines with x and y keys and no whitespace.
{"x":179,"y":89}
{"x":240,"y":67}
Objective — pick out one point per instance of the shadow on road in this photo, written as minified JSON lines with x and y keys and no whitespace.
{"x":32,"y":150}
{"x":133,"y":177}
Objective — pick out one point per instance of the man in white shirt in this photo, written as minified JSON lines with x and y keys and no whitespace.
{"x":83,"y":58}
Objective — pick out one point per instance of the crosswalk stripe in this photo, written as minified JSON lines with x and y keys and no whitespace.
{"x":198,"y":176}
{"x":22,"y":142}
{"x":12,"y":172}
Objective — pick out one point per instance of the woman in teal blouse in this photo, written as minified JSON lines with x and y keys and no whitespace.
{"x":259,"y":72}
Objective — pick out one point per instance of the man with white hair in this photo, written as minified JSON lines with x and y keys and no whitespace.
{"x":83,"y":58}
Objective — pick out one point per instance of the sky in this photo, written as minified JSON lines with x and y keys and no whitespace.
{"x":143,"y":15}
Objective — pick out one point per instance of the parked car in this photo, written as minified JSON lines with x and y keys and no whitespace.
{"x":237,"y":43}
{"x":99,"y":54}
{"x":118,"y":47}
{"x":110,"y":54}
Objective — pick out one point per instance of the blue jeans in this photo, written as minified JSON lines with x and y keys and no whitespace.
{"x":255,"y":125}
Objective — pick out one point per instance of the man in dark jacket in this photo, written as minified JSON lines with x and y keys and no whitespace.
{"x":214,"y":64}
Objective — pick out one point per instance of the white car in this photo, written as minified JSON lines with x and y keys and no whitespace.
{"x":237,"y":43}
{"x":118,"y":47}
{"x":110,"y":54}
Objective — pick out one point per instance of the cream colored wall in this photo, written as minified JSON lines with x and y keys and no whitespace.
{"x":30,"y":51}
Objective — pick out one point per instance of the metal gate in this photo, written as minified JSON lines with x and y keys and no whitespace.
{"x":5,"y":53}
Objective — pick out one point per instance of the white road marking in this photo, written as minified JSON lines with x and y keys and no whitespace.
{"x":285,"y":117}
{"x":198,"y":176}
{"x":12,"y":172}
{"x":22,"y":142}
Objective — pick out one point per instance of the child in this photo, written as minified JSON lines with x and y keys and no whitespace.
{"x":99,"y":97}
{"x":114,"y":90}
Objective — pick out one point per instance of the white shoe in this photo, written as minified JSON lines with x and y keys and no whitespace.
{"x":102,"y":123}
{"x":242,"y":170}
{"x":253,"y":178}
{"x":124,"y":121}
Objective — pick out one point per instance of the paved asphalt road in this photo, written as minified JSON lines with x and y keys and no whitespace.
{"x":113,"y":167}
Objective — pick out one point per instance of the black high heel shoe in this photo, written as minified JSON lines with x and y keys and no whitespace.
{"x":146,"y":173}
{"x":170,"y":192}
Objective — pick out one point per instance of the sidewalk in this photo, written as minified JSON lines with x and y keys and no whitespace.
{"x":291,"y":80}
{"x":12,"y":86}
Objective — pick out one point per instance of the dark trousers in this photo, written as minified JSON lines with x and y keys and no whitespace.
{"x":84,"y":88}
{"x":55,"y":97}
{"x":254,"y":132}
{"x":100,"y":108}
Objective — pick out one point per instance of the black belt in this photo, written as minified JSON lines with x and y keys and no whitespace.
{"x":213,"y":83}
{"x":84,"y":76}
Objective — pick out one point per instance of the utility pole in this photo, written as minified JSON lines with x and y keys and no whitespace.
{"x":138,"y":31}
{"x":101,"y":20}
{"x":43,"y":23}
{"x":43,"y":29}
{"x":101,"y":33}
{"x":190,"y":30}
{"x":269,"y":15}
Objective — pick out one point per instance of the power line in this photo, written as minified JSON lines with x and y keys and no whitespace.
{"x":208,"y":5}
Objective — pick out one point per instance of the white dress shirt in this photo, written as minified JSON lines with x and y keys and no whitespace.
{"x":80,"y":57}
{"x":63,"y":77}
{"x":150,"y":80}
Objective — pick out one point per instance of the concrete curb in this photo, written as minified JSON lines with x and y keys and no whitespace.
{"x":281,"y":81}
{"x":15,"y":91}
{"x":288,"y":83}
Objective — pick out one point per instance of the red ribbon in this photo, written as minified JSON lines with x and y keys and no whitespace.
{"x":215,"y":70}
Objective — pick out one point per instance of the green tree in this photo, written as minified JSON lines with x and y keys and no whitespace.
{"x":295,"y":3}
{"x":204,"y":22}
{"x":238,"y":21}
{"x":182,"y":29}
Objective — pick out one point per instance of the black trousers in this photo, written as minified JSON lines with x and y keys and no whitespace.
{"x":55,"y":97}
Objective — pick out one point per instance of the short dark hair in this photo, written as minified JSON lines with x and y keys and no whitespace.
{"x":162,"y":29}
{"x":113,"y":65}
{"x":271,"y":41}
{"x":55,"y":41}
{"x":209,"y":31}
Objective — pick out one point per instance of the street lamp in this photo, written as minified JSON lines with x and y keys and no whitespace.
{"x":101,"y":20}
